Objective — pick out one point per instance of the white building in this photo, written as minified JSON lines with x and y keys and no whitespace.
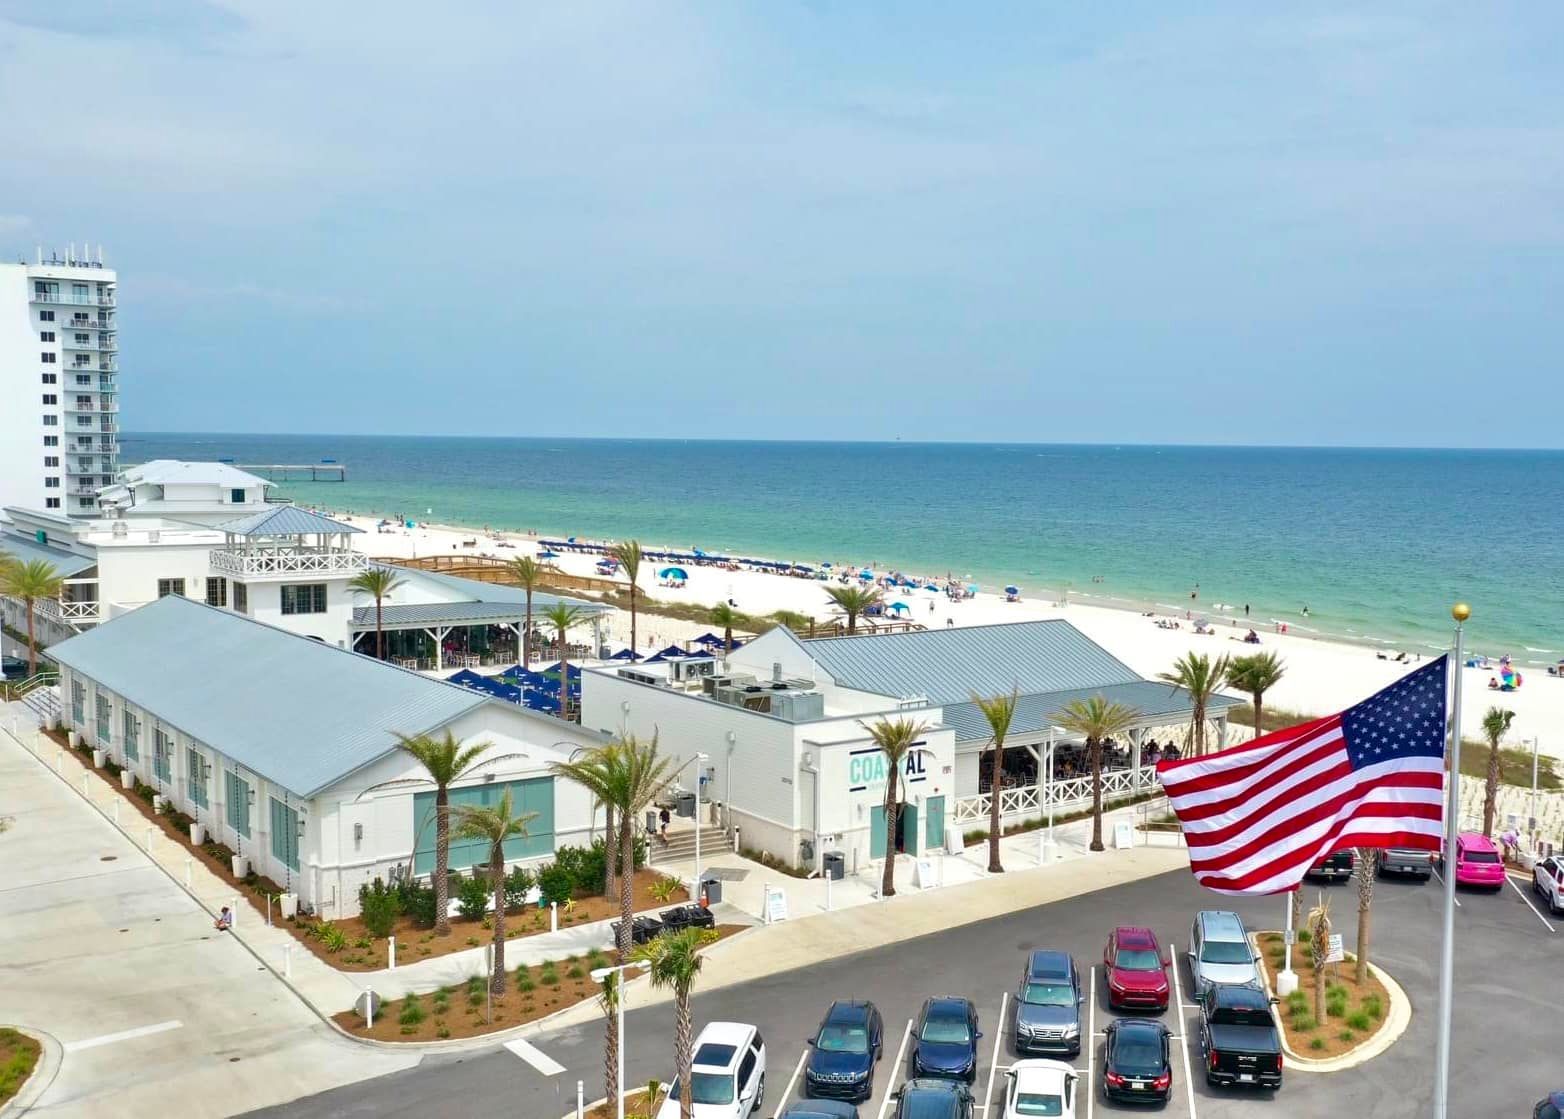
{"x":59,"y":383}
{"x":285,"y":749}
{"x":782,"y":721}
{"x":203,"y":493}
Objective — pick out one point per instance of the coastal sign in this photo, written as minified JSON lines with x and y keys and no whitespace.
{"x":868,"y":769}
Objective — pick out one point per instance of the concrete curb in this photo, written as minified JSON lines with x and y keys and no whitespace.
{"x":1398,"y":1017}
{"x":38,"y":1081}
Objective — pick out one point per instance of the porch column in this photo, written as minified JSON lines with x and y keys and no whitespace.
{"x":1136,"y":737}
{"x":1221,"y":731}
{"x":597,"y":636}
{"x":439,"y":646}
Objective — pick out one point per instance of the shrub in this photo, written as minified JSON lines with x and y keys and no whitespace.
{"x":332,"y":938}
{"x":1304,"y":1022}
{"x":1297,"y":1001}
{"x":1317,"y":1043}
{"x":412,"y":1010}
{"x":472,"y":895}
{"x":1335,"y":1007}
{"x":548,"y":976}
{"x":1373,"y":1007}
{"x":1358,"y":1020}
{"x":442,"y":1031}
{"x":664,"y":888}
{"x":379,"y":907}
{"x":1303,"y":936}
{"x":596,"y":959}
{"x":1336,"y":991}
{"x":575,"y":971}
{"x":586,"y":866}
{"x":416,"y":900}
{"x":525,"y":984}
{"x":144,"y":791}
{"x":555,"y":883}
{"x":518,"y":884}
{"x":1346,"y":1035}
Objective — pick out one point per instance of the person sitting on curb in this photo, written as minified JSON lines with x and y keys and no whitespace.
{"x":225,"y":920}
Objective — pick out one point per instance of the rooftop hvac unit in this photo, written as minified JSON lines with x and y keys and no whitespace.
{"x":692,"y":669}
{"x":641,"y":677}
{"x":797,"y":706}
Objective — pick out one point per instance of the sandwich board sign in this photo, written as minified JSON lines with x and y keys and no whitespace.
{"x":1123,"y":835}
{"x":776,"y":905}
{"x":1337,"y":953}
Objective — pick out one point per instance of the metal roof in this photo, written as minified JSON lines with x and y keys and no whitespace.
{"x":284,"y":520}
{"x":170,"y":471}
{"x":394,"y":616}
{"x":475,"y":590}
{"x":949,"y":665}
{"x":300,"y":713}
{"x":1159,"y":705}
{"x":65,"y":563}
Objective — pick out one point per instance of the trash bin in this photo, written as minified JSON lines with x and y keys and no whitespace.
{"x":651,"y":821}
{"x":711,"y":886}
{"x":834,"y":865}
{"x":684,"y":805}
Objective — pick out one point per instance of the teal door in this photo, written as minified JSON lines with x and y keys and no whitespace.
{"x":934,"y":824}
{"x":907,"y":819}
{"x":877,"y":832}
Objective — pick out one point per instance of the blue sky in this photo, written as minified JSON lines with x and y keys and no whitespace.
{"x":1227,"y":223}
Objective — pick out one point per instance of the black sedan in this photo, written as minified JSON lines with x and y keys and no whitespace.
{"x":843,"y":1052}
{"x":1135,"y":1065}
{"x":945,"y":1040}
{"x":13,"y":668}
{"x":933,"y":1099}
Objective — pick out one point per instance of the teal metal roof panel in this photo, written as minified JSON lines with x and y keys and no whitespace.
{"x":65,"y":563}
{"x":300,"y":713}
{"x":284,"y":520}
{"x":949,"y":665}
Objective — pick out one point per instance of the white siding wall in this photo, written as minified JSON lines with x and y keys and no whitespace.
{"x":331,"y":627}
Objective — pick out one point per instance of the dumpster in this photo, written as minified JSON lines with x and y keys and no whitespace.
{"x":642,"y":929}
{"x":833,"y":865}
{"x":711,"y":889}
{"x":684,"y":805}
{"x":686,"y":917}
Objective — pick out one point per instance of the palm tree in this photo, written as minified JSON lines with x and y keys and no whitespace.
{"x":526,"y":570}
{"x":1256,"y":674}
{"x":853,"y":601}
{"x":1496,"y":724}
{"x":628,"y":553}
{"x":608,"y":1001}
{"x":562,"y":616}
{"x":895,"y":738}
{"x":446,"y":760}
{"x":725,"y":616}
{"x":1368,"y":866}
{"x":30,"y":581}
{"x":1200,"y":676}
{"x":998,"y":710}
{"x":378,"y":583}
{"x":591,"y":772}
{"x":673,"y":961}
{"x":1097,"y":719}
{"x":1319,"y":948}
{"x":494,"y":826}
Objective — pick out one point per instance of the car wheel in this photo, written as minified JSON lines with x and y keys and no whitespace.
{"x":760,"y":1093}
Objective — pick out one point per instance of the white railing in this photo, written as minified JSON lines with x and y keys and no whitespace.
{"x":66,"y":612}
{"x":258,"y":564}
{"x":1062,"y":796}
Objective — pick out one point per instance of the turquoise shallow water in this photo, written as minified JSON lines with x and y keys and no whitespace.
{"x":1376,"y":543}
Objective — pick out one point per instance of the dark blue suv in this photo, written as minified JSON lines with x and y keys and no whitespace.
{"x":843,"y":1052}
{"x":945,"y":1040}
{"x":933,"y":1099}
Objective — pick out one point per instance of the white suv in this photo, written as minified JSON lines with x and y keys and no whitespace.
{"x":727,"y":1074}
{"x":1547,"y":878}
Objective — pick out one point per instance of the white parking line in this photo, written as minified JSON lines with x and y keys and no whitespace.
{"x":993,"y":1064}
{"x":1090,"y":1048}
{"x":901,"y":1055}
{"x":1178,"y":997}
{"x":1441,"y":882}
{"x":787,"y":1092}
{"x":1546,"y":923}
{"x":123,"y":1035}
{"x":535,"y":1057}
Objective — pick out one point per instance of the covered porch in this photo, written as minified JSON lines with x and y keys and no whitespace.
{"x":437,"y":636}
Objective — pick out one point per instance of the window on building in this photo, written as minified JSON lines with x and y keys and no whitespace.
{"x":285,"y":834}
{"x":48,"y":358}
{"x":241,"y":598}
{"x":83,"y":379}
{"x":195,"y":768}
{"x":51,"y":421}
{"x":51,"y":503}
{"x":304,"y":598}
{"x":217,"y":591}
{"x":132,"y":737}
{"x":51,"y":440}
{"x":51,"y":460}
{"x":236,"y":496}
{"x":166,"y":587}
{"x":51,"y":483}
{"x":51,"y":378}
{"x":46,"y":336}
{"x":51,"y":398}
{"x":237,"y":794}
{"x":82,"y":339}
{"x":78,"y":701}
{"x":162,"y":754}
{"x":534,"y":794}
{"x":45,"y":316}
{"x":105,"y":721}
{"x":85,"y":503}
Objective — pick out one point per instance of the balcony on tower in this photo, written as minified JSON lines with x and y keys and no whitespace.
{"x":286,"y":542}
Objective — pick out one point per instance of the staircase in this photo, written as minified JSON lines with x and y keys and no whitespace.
{"x":681,"y":845}
{"x":40,"y":694}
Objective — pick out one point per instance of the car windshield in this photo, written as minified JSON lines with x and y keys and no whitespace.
{"x":707,"y":1087}
{"x":843,"y":1039}
{"x":1049,"y":994}
{"x":1546,"y":1110}
{"x":949,"y":1031}
{"x":1225,"y":952}
{"x":1137,"y":959}
{"x":1039,"y":1103}
{"x":1138,"y":1054}
{"x":1480,"y":857}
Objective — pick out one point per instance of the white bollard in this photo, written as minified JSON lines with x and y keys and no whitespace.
{"x":268,"y":911}
{"x":391,"y":951}
{"x":581,"y":1100}
{"x":59,"y":760}
{"x":150,"y":830}
{"x":828,"y":893}
{"x":86,"y":791}
{"x":287,"y":961}
{"x":553,"y":916}
{"x":369,"y":1010}
{"x":188,"y":883}
{"x":233,"y":910}
{"x":116,"y":811}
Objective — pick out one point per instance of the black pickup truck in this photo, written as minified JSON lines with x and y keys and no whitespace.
{"x":1338,"y":864}
{"x":1238,"y":1037}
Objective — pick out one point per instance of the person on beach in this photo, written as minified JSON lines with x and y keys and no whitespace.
{"x":225,"y":920}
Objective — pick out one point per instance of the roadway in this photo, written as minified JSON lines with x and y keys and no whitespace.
{"x":1508,"y":981}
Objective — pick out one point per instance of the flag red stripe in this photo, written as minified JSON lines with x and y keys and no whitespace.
{"x":1335,"y":840}
{"x":1272,"y":786}
{"x":1311,"y":849}
{"x":1181,"y":769}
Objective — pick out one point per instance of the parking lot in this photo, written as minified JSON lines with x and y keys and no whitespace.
{"x":1508,"y":987}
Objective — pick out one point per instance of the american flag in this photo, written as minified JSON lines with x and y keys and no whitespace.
{"x":1256,"y":817}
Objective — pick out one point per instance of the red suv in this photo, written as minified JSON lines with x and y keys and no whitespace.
{"x":1137,"y":969}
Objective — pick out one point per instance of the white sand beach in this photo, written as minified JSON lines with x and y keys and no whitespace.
{"x":1321,"y":677}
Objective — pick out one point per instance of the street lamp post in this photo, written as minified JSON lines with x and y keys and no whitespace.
{"x":696,"y":891}
{"x":601,"y":975}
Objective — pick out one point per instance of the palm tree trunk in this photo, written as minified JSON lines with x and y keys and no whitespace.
{"x":632,"y":615}
{"x":626,"y":883}
{"x":32,"y":643}
{"x":852,"y":622}
{"x":442,"y":856}
{"x":1297,"y":908}
{"x":682,"y":1055}
{"x":526,"y":635}
{"x":497,"y":880}
{"x":1491,"y":787}
{"x":1259,"y":726}
{"x":611,"y":1048}
{"x":380,"y":633}
{"x":610,"y":854}
{"x":995,"y":796}
{"x":1199,"y":735}
{"x":1094,"y":747}
{"x":888,"y":879}
{"x":1365,"y":900}
{"x":1319,"y":990}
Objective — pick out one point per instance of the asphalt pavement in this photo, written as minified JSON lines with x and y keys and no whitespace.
{"x":1509,"y":986}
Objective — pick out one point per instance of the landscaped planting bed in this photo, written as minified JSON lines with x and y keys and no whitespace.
{"x":18,"y":1056}
{"x":1353,"y":1014}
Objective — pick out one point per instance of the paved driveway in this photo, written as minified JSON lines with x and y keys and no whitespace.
{"x":1509,"y":986}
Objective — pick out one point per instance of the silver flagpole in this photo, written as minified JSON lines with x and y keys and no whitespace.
{"x":1460,"y":612}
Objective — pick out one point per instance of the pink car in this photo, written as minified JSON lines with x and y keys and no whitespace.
{"x":1478,"y":862}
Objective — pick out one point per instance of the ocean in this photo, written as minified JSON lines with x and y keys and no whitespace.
{"x":1374,"y":544}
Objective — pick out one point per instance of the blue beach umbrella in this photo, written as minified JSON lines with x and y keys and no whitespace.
{"x":900,"y":607}
{"x":548,"y":555}
{"x":673,"y":573}
{"x":1012,"y":590}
